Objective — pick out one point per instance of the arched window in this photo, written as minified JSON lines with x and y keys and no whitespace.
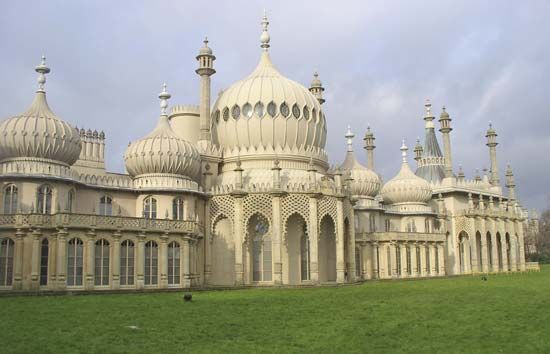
{"x":305,"y":254}
{"x":44,"y":249}
{"x":10,"y":199}
{"x":261,"y":248}
{"x":44,"y":200}
{"x":127,"y":263}
{"x":372,"y":223}
{"x":173,"y":263}
{"x":150,"y":208}
{"x":177,"y":209}
{"x":387,"y":225}
{"x":6,"y":262}
{"x":70,"y":200}
{"x":106,"y":206}
{"x":427,"y":225}
{"x":75,"y":262}
{"x":151,"y":263}
{"x":411,"y":225}
{"x":101,"y":275}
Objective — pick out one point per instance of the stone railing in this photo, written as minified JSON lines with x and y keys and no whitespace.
{"x":495,"y":213}
{"x":99,"y":222}
{"x":400,"y":236}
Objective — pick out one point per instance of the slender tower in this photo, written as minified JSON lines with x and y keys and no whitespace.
{"x":317,"y":88}
{"x":492,"y":144}
{"x":510,"y":184}
{"x":205,"y":70}
{"x":369,"y":146}
{"x":445,"y":122}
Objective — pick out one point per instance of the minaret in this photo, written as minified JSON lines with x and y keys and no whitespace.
{"x":369,"y":146}
{"x":492,"y":144}
{"x":418,"y":150}
{"x":445,"y":122}
{"x":510,"y":184}
{"x":317,"y":88}
{"x":205,"y":70}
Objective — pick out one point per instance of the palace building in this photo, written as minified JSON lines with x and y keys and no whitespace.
{"x":240,"y":193}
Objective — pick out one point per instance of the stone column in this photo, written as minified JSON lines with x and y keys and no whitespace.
{"x":513,"y":261}
{"x":351,"y":247}
{"x":277,"y":238}
{"x":18,"y":261}
{"x":35,"y":260}
{"x":441,"y":253}
{"x":375,"y":264}
{"x":504,"y":245}
{"x":368,"y":261}
{"x":404,"y":269}
{"x":423,"y":264}
{"x":474,"y":254}
{"x":89,"y":262}
{"x":140,"y":261}
{"x":238,"y":233}
{"x":519,"y":231}
{"x":313,"y":239}
{"x":494,"y":247}
{"x":61,"y":267}
{"x":207,"y":244}
{"x":115,"y":264}
{"x":340,"y":258}
{"x":433,"y":270}
{"x":414,"y":267}
{"x":163,"y":261}
{"x":393,"y":258}
{"x":484,"y":253}
{"x":186,"y":264}
{"x":383,"y":260}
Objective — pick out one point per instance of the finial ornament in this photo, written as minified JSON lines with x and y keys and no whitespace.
{"x":428,"y":108}
{"x":349,"y":137}
{"x":164,"y":96}
{"x":265,"y":38}
{"x":404,"y":149}
{"x":42,"y":69}
{"x":205,"y":42}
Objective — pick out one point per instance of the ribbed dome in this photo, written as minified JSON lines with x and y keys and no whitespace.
{"x":267,"y":110}
{"x":162,"y":152}
{"x":406,"y":187}
{"x":39,"y":133}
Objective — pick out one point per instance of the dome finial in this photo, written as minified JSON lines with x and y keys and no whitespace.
{"x":349,"y":137}
{"x":42,"y":69}
{"x":404,"y":149}
{"x":164,"y":96}
{"x":428,"y":116}
{"x":264,"y":38}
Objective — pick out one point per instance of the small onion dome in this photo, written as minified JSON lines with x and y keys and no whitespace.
{"x":365,"y":182}
{"x":205,"y":50}
{"x":162,"y":151}
{"x":406,"y":187}
{"x":38,"y":132}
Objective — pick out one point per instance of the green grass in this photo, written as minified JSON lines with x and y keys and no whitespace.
{"x":506,"y":314}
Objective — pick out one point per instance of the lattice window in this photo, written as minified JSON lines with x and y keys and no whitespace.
{"x":327,"y":206}
{"x":257,"y":203}
{"x":221,"y":205}
{"x":295,"y":203}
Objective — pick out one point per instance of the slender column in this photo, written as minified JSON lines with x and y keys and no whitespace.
{"x":35,"y":259}
{"x":434,"y":270}
{"x":90,"y":253}
{"x":186,"y":264}
{"x":340,"y":260}
{"x":18,"y":261}
{"x":239,"y":239}
{"x":474,"y":254}
{"x":504,"y":245}
{"x":393,"y":258}
{"x":368,"y":261}
{"x":115,"y":268}
{"x":351,"y":247}
{"x":163,"y":261}
{"x":404,"y":270}
{"x":383,"y":260}
{"x":313,"y":239}
{"x":441,"y":253}
{"x":375,"y":263}
{"x":513,"y":261}
{"x":494,"y":248}
{"x":207,"y":243}
{"x":484,"y":253}
{"x":423,"y":264}
{"x":140,"y":261}
{"x":61,"y":267}
{"x":467,"y":257}
{"x":414,"y":267}
{"x":277,"y":239}
{"x":519,"y":231}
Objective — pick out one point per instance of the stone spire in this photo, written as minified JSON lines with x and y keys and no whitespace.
{"x":369,"y":146}
{"x":42,"y":70}
{"x":316,"y":88}
{"x":492,"y":144}
{"x":510,"y":184}
{"x":445,"y":122}
{"x":205,"y":59}
{"x":431,"y":164}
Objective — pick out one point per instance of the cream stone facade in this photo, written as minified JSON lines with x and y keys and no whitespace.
{"x":240,"y":193}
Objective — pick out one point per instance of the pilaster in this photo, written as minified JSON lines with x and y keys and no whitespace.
{"x":89,"y":263}
{"x":115,"y":268}
{"x":18,"y":261}
{"x":61,"y":266}
{"x":314,"y":238}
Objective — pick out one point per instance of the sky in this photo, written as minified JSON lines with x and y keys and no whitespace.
{"x":378,"y":61}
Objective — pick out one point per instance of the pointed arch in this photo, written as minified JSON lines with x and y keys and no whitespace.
{"x":327,"y":249}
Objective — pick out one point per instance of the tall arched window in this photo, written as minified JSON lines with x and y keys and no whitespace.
{"x":127,"y":263}
{"x":44,"y":249}
{"x":177,"y":209}
{"x":304,"y":256}
{"x":75,"y":262}
{"x":6,"y":262}
{"x":261,"y":248}
{"x":101,"y":275}
{"x":151,"y":263}
{"x":173,"y":263}
{"x":105,"y":206}
{"x":70,"y":200}
{"x":10,"y":199}
{"x":150,"y":208}
{"x":411,"y":226}
{"x":44,"y":200}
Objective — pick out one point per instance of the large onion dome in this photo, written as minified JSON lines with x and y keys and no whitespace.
{"x":269,"y":114}
{"x":406,"y":187}
{"x":365,"y":182}
{"x":38,"y":133}
{"x":162,"y":151}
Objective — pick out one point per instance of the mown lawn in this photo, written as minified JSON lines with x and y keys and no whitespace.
{"x":505,"y":314}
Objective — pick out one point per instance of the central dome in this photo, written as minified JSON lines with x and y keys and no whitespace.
{"x":266,"y":114}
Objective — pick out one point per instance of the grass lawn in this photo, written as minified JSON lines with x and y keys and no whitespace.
{"x":505,"y":314}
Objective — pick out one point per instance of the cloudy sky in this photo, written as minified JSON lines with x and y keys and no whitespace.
{"x":378,"y":60}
